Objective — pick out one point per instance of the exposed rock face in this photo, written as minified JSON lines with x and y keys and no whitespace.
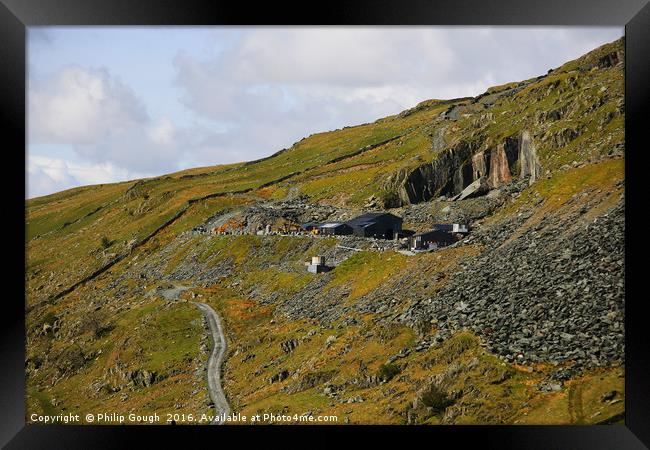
{"x":500,"y":169}
{"x":564,"y":136}
{"x":496,"y":164}
{"x":528,"y":161}
{"x":457,"y":171}
{"x":609,"y":60}
{"x":462,"y":179}
{"x":457,"y":168}
{"x":446,"y":175}
{"x":502,"y":160}
{"x":438,"y":142}
{"x":479,"y":166}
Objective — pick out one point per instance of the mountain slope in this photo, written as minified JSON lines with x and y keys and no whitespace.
{"x":520,"y":322}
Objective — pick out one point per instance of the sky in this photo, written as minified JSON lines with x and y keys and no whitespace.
{"x":109,"y":104}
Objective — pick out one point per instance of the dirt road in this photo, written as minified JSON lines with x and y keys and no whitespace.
{"x":221,"y":407}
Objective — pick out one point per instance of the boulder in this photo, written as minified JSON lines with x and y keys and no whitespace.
{"x":475,"y":189}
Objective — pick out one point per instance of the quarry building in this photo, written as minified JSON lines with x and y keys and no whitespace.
{"x":431,"y":240}
{"x":376,"y":224}
{"x":379,"y":225}
{"x":335,"y":229}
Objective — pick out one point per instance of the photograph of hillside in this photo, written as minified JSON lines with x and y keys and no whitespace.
{"x":325,"y":226}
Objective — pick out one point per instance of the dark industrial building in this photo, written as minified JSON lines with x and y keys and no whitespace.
{"x":310,"y":226}
{"x":430,"y":240}
{"x":378,"y":225}
{"x":334,"y":229}
{"x":404,"y":234}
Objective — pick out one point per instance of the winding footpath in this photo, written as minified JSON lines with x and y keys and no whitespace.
{"x":221,"y":407}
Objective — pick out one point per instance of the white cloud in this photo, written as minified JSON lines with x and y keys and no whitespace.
{"x":338,"y":56}
{"x":163,"y":132}
{"x":273,"y":86}
{"x":261,"y":89}
{"x":81,"y":106}
{"x":46,"y":175}
{"x":104,"y":122}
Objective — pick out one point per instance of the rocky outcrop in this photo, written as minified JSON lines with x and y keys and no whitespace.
{"x":565,"y":136}
{"x":458,"y":111}
{"x":497,"y":164}
{"x":448,"y":174}
{"x":502,"y":163}
{"x":280,"y":376}
{"x":462,"y":178}
{"x":138,"y":378}
{"x":528,"y":161}
{"x":309,"y":381}
{"x":609,"y":60}
{"x":143,"y":378}
{"x":289,"y":345}
{"x":605,"y":61}
{"x":438,"y":141}
{"x":462,"y":172}
{"x":499,"y":168}
{"x":553,"y":115}
{"x":480,"y":166}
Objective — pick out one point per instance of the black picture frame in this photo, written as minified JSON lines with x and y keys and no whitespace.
{"x":16,"y":15}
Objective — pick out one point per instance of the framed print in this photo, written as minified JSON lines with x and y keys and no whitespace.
{"x":397,"y":221}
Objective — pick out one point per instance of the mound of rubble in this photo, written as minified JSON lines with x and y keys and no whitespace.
{"x":270,"y":217}
{"x":554,"y":294}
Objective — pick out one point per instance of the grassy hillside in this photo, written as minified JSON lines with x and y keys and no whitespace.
{"x":367,"y":341}
{"x":69,"y":226}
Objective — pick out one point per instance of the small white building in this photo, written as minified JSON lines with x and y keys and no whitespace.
{"x":451,"y":227}
{"x":318,"y":265}
{"x":459,"y":228}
